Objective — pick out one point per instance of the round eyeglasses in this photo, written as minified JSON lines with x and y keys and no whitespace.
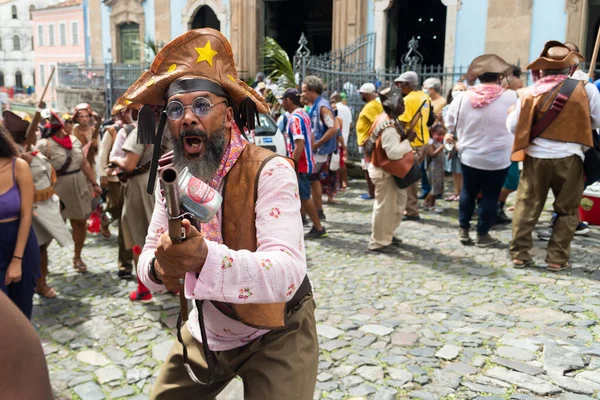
{"x":201,"y":106}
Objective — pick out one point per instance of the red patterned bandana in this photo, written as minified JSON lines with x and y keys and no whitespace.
{"x":484,"y":94}
{"x":64,"y":142}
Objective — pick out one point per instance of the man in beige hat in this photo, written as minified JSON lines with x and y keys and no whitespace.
{"x":477,"y":120}
{"x":415,"y":117}
{"x":552,"y":123}
{"x":253,"y":312}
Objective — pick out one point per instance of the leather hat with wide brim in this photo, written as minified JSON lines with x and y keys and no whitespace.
{"x":489,"y":63}
{"x":15,"y":123}
{"x":122,"y":104}
{"x":556,"y":56}
{"x":200,"y":53}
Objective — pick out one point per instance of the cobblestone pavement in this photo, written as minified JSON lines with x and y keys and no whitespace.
{"x":436,"y":320}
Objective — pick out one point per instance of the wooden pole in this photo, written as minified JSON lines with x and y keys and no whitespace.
{"x":594,"y":57}
{"x":37,"y":117}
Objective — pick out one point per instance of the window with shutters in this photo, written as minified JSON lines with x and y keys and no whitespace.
{"x":75,"y":33}
{"x":16,"y":43}
{"x":51,"y":35}
{"x":43,"y":73}
{"x":40,"y":35}
{"x":62,"y":33}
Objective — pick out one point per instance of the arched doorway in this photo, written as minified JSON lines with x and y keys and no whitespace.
{"x":129,"y":43}
{"x":286,"y":20}
{"x":206,"y":18}
{"x":19,"y":80}
{"x":423,"y":19}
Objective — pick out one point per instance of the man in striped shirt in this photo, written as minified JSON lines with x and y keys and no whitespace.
{"x":300,"y":140}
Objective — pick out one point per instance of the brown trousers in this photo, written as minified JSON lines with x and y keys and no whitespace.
{"x":279,"y":365}
{"x":412,"y":192}
{"x":115,"y":207}
{"x":565,"y":177}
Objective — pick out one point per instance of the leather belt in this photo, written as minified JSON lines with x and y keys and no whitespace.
{"x":68,"y":173}
{"x":43,"y":194}
{"x":303,"y":290}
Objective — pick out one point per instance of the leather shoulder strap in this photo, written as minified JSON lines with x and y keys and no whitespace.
{"x":564,"y":94}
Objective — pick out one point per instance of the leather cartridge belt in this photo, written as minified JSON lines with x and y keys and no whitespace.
{"x":42,"y":195}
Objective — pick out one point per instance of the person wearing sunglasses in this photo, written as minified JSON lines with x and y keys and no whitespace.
{"x":245,"y":269}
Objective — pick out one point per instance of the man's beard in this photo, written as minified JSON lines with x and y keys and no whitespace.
{"x":205,"y":166}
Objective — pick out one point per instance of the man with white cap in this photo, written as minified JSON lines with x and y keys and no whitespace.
{"x":416,"y":114}
{"x":366,"y":117}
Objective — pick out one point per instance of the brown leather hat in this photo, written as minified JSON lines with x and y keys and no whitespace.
{"x":489,"y":63}
{"x":200,"y":53}
{"x":122,"y":105}
{"x":556,"y":56}
{"x":15,"y":123}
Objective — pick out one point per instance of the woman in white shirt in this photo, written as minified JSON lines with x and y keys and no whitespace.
{"x":478,"y":119}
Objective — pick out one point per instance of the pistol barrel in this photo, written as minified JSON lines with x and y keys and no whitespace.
{"x":168,"y":184}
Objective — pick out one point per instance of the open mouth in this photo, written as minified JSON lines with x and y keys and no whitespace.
{"x":193,"y":146}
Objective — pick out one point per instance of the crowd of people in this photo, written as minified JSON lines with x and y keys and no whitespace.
{"x":51,"y":176}
{"x":494,"y":136}
{"x":245,"y":268}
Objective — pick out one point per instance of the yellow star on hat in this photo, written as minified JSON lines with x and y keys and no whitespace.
{"x":206,"y":53}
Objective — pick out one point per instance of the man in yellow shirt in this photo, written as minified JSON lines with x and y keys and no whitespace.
{"x":370,"y":111}
{"x":416,"y":111}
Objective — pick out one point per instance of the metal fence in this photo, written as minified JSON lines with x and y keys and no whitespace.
{"x":114,"y":79}
{"x":79,"y":76}
{"x":346,"y":70}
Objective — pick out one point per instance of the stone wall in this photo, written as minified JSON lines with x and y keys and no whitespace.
{"x":162,"y":21}
{"x":508,"y":29}
{"x":95,"y":28}
{"x":67,"y":98}
{"x":349,"y":22}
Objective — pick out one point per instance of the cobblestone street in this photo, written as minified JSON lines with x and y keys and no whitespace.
{"x":437,"y":320}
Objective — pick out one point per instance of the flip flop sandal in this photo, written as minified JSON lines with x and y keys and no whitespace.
{"x":46,"y":291}
{"x":525,"y":264}
{"x":79,"y":265}
{"x":562,"y":267}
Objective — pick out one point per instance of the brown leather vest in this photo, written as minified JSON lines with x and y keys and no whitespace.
{"x":238,"y":227}
{"x":573,"y":123}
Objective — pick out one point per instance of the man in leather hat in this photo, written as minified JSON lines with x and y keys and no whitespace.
{"x":253,"y":313}
{"x":552,"y":123}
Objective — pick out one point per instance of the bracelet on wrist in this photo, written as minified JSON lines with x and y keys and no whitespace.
{"x":18,"y":258}
{"x":153,"y":275}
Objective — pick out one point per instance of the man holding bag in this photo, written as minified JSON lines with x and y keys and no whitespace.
{"x":390,"y":200}
{"x":414,"y":117}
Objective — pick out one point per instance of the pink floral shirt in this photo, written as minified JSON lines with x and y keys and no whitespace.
{"x":269,"y":275}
